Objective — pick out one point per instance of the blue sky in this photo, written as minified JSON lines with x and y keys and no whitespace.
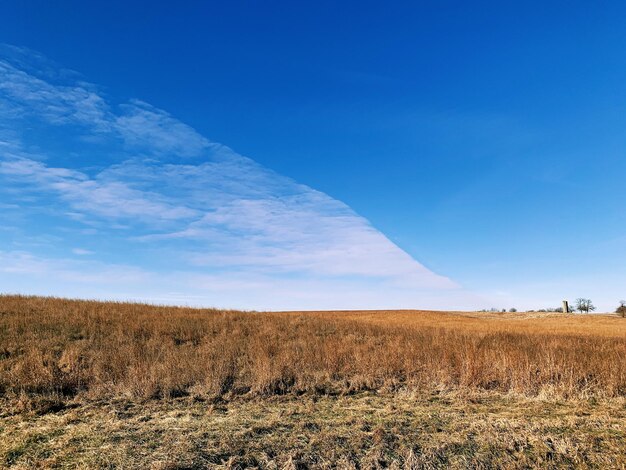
{"x":278,"y":155}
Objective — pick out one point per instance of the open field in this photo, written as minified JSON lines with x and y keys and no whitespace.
{"x":364,"y":430}
{"x":114,"y":385}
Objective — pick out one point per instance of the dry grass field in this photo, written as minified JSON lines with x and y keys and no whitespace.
{"x":118,"y":385}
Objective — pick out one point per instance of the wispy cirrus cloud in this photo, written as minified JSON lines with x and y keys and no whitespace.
{"x":92,"y":197}
{"x":25,"y":94}
{"x":155,"y":131}
{"x":195,"y":214}
{"x":82,"y":252}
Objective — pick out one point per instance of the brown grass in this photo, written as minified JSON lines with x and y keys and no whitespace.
{"x":119,"y":385}
{"x":367,"y":431}
{"x":66,"y":348}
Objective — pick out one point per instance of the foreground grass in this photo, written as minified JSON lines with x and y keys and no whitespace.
{"x":365,"y":430}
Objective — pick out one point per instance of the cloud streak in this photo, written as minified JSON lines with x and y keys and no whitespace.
{"x":184,"y":208}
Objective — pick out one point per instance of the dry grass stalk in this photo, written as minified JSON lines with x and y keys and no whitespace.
{"x":56,"y":347}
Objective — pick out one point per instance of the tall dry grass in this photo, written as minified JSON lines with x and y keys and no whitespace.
{"x":102,"y":350}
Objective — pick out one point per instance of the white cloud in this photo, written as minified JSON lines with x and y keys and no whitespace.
{"x":25,"y":94}
{"x":60,"y":276}
{"x":156,"y":131}
{"x":113,"y":199}
{"x":244,"y":290}
{"x":82,"y":252}
{"x":141,"y":126}
{"x":225,"y":226}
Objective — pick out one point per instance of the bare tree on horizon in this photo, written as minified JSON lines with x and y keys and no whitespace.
{"x":584,"y":305}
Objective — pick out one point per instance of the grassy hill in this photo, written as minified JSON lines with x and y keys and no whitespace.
{"x":120,"y":385}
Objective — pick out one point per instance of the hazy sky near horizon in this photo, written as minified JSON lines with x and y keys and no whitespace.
{"x":347,"y":155}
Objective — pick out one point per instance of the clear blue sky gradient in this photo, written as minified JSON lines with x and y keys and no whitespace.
{"x":486,"y":139}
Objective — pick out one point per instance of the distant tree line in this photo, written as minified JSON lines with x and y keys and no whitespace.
{"x":581,"y":305}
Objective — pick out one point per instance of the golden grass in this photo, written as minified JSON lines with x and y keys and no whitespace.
{"x":65,"y":348}
{"x":118,"y":385}
{"x":607,"y":325}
